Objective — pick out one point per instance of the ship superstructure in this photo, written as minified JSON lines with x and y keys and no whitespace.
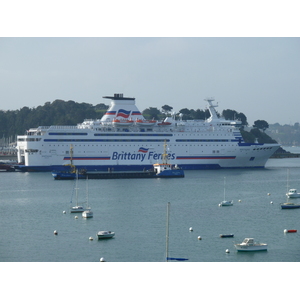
{"x":124,"y":140}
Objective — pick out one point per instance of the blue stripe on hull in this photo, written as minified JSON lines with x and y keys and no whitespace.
{"x":122,"y":168}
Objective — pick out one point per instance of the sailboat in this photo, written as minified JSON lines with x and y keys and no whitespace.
{"x":87,"y":213}
{"x":226,"y":202}
{"x":77,"y":208}
{"x":167,"y":238}
{"x":291,"y":193}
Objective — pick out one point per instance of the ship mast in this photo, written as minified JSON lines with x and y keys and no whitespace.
{"x":167,"y":231}
{"x":71,"y":154}
{"x":165,"y":154}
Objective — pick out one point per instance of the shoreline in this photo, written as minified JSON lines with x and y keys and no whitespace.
{"x":285,"y":155}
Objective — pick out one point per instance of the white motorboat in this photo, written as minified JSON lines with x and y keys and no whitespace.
{"x":248,"y":244}
{"x":87,"y":213}
{"x":292,"y":193}
{"x":104,"y":234}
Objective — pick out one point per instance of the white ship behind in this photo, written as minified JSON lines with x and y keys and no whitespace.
{"x":124,"y":140}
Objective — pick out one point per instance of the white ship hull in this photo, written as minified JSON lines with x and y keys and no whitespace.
{"x":98,"y":145}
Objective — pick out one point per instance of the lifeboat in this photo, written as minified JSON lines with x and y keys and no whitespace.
{"x":146,"y":123}
{"x":164,"y":123}
{"x":122,"y":122}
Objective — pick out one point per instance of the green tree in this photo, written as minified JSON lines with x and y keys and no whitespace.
{"x":261,"y":124}
{"x":166,"y":108}
{"x":151,"y":113}
{"x":229,"y":114}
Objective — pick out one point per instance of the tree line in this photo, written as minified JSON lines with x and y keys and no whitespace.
{"x":60,"y":112}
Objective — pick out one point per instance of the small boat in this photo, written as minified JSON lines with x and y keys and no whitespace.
{"x":165,"y":169}
{"x":292,"y":193}
{"x":166,"y":122}
{"x":226,"y":235}
{"x":122,"y":122}
{"x":225,"y":202}
{"x":109,"y":174}
{"x":77,"y":208}
{"x":88,"y":212}
{"x":6,"y":167}
{"x":249,"y":245}
{"x":145,"y":123}
{"x":289,"y":205}
{"x":105,"y":234}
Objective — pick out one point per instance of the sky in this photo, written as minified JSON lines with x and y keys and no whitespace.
{"x":255,"y":75}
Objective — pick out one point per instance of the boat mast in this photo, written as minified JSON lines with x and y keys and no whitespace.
{"x":71,"y":155}
{"x":76,"y":188}
{"x":224,"y":187}
{"x":287,"y":180}
{"x":167,"y":232}
{"x":165,"y":154}
{"x":87,"y":192}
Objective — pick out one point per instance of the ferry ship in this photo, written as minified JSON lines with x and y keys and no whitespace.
{"x":124,"y":140}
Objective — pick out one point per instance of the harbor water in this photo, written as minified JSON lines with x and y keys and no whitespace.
{"x":32,"y":206}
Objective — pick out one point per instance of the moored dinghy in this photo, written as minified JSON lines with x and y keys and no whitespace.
{"x":289,"y":205}
{"x":226,"y":235}
{"x":104,"y":234}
